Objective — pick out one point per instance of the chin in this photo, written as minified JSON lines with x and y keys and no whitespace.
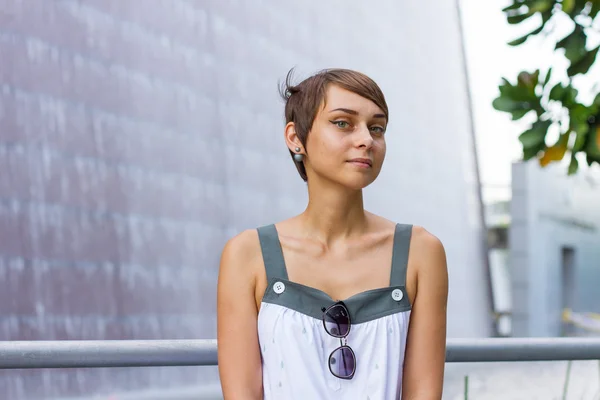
{"x":357,"y":183}
{"x":348,"y":179}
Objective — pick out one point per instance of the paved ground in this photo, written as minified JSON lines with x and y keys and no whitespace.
{"x":523,"y":381}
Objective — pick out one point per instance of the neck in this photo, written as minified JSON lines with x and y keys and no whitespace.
{"x":334,"y":212}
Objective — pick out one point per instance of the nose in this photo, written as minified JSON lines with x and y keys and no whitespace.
{"x":365,"y":139}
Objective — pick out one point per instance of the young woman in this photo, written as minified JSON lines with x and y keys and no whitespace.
{"x":337,"y":302}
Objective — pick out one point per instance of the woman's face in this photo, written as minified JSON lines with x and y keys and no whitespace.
{"x":346,"y":144}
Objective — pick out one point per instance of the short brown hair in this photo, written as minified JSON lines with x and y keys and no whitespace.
{"x":302,"y":101}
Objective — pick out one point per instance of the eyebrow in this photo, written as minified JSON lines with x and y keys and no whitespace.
{"x":353,"y":112}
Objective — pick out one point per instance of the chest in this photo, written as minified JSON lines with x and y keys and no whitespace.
{"x":343,"y":272}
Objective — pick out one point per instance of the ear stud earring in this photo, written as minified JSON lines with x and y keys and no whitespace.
{"x":298,"y":157}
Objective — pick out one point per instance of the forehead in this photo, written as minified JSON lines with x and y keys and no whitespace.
{"x":337,"y":97}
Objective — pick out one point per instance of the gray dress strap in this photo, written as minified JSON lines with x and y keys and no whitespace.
{"x":271,"y":252}
{"x":402,"y":236}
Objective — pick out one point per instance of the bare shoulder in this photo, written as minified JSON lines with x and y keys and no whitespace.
{"x":426,"y":242}
{"x":429,"y":254}
{"x":241,"y":255}
{"x":243,"y":245}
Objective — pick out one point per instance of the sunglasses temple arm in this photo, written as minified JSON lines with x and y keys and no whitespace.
{"x":343,"y":356}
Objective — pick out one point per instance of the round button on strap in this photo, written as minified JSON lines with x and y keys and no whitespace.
{"x":397,"y":294}
{"x":278,"y":287}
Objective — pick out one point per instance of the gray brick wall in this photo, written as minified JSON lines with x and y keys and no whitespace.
{"x":136,"y":137}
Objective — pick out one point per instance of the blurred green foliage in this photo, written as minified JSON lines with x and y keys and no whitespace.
{"x":555,"y":105}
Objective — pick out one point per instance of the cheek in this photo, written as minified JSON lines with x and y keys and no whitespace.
{"x":379,"y":147}
{"x":327,"y":146}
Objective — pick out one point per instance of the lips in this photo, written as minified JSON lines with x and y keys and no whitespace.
{"x":363,"y":162}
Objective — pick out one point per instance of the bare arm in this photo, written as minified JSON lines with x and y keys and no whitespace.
{"x":426,"y":343}
{"x":240,"y":368}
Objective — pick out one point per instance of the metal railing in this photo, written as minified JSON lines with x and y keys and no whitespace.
{"x":157,"y":353}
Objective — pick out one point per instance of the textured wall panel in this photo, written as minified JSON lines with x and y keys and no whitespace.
{"x":136,"y":138}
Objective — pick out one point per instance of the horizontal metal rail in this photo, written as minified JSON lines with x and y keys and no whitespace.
{"x":159,"y":353}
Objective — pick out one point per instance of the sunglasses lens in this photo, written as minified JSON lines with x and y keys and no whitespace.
{"x":337,"y":321}
{"x":342,"y":362}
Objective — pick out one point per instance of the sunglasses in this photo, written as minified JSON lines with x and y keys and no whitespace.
{"x":342,"y":361}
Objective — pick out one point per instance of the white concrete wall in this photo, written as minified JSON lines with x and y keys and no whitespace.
{"x":414,"y":53}
{"x":550,"y":211}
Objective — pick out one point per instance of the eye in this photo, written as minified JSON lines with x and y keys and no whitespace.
{"x":341,"y":124}
{"x":377,"y":129}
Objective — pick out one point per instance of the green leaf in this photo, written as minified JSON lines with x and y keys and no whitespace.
{"x":579,"y":142}
{"x":518,"y":41}
{"x":517,"y":19}
{"x":593,"y":142}
{"x":583,"y":65}
{"x":558,"y":92}
{"x":529,"y":81}
{"x":517,"y":93}
{"x":568,"y":5}
{"x":515,"y":6}
{"x":518,"y":114}
{"x":535,"y":136}
{"x":579,"y":113}
{"x":579,"y":127}
{"x":523,"y":38}
{"x":546,"y":15}
{"x":591,"y":159}
{"x":521,"y":98}
{"x":574,"y":44}
{"x":531,"y":152}
{"x":541,"y":5}
{"x":506,"y":104}
{"x":595,"y":109}
{"x":565,"y":94}
{"x":548,"y":75}
{"x":592,"y":148}
{"x":573,"y":165}
{"x":595,"y":9}
{"x":570,"y":97}
{"x":522,"y":91}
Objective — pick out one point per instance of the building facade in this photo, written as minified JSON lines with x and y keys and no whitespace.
{"x":554,"y":242}
{"x":135,"y":140}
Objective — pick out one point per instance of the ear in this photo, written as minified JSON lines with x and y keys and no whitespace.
{"x":292,"y":140}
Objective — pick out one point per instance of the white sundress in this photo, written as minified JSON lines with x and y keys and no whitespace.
{"x":295,"y":347}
